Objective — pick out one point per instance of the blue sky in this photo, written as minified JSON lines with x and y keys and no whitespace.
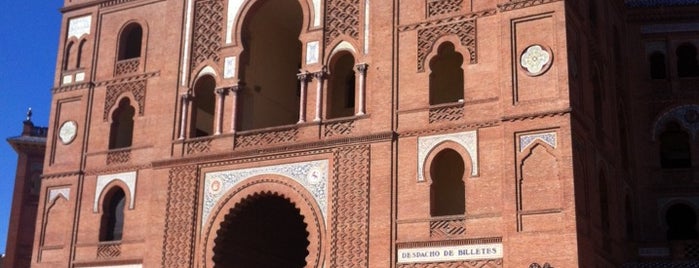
{"x":29,"y":33}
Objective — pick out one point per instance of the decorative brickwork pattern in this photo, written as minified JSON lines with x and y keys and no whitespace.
{"x":461,"y":264}
{"x":342,"y":18}
{"x":338,"y":128}
{"x":441,"y":7}
{"x":350,"y":206}
{"x":266,"y":138}
{"x":517,"y":4}
{"x":126,"y":66}
{"x":136,"y":88}
{"x":208,"y":28}
{"x":118,"y":157}
{"x":108,"y":250}
{"x":465,"y":30}
{"x":448,"y":113}
{"x":198,"y":146}
{"x":448,"y":228}
{"x":179,"y":218}
{"x":691,"y":251}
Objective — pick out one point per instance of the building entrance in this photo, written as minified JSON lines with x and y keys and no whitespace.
{"x":263,"y":230}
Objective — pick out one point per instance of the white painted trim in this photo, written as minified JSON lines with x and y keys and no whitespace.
{"x":128,"y":178}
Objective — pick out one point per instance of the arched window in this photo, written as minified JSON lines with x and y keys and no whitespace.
{"x":681,"y":222}
{"x":66,"y":57}
{"x":657,"y":65}
{"x":675,"y":148}
{"x":447,"y":77}
{"x":447,"y":193}
{"x":687,"y":61}
{"x":121,"y":132}
{"x":269,"y":63}
{"x":603,"y":203}
{"x":130,"y":42}
{"x":79,"y":59}
{"x":112,"y":223}
{"x":203,"y":106}
{"x":341,"y":86}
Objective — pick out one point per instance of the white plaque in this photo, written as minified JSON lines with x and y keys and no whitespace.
{"x":80,"y":26}
{"x":79,"y":77}
{"x":312,"y":52}
{"x":68,"y":131}
{"x":67,"y":79}
{"x":229,"y":67}
{"x":450,"y":253}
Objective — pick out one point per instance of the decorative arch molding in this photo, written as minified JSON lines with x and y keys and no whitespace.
{"x":234,"y":10}
{"x":343,"y":46}
{"x":468,"y":140}
{"x":266,"y":184}
{"x":687,"y":116}
{"x":207,"y":70}
{"x":525,"y":141}
{"x":428,"y":36}
{"x":127,"y":178}
{"x":136,"y":91}
{"x":312,"y":176}
{"x":56,"y":193}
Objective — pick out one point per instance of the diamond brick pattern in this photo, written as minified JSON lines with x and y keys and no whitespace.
{"x":342,"y":18}
{"x":440,"y":229}
{"x":441,"y":7}
{"x":179,"y":219}
{"x":465,"y":30}
{"x":136,"y":88}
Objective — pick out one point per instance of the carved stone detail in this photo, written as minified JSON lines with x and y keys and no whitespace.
{"x":460,"y":264}
{"x":441,"y":7}
{"x":108,"y":250}
{"x":198,"y":146}
{"x":349,"y":246}
{"x":448,"y":113}
{"x":342,"y":18}
{"x":465,"y":30}
{"x":313,"y":176}
{"x":526,"y":140}
{"x":118,"y":157}
{"x":447,"y":228}
{"x":136,"y":88}
{"x":179,"y":220}
{"x":126,"y":66}
{"x":128,"y":178}
{"x":208,"y":27}
{"x":266,"y":138}
{"x":468,"y":140}
{"x":338,"y":128}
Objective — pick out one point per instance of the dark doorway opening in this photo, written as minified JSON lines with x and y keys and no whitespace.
{"x":263,"y":230}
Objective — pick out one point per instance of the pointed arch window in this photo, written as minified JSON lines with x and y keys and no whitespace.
{"x":447,"y":194}
{"x":687,"y":65}
{"x":121,"y":131}
{"x":447,"y":76}
{"x":341,"y":86}
{"x":657,"y":65}
{"x":681,"y":221}
{"x":66,"y":57}
{"x":112,"y":222}
{"x":203,"y":107}
{"x":79,"y":57}
{"x":675,"y":149}
{"x":130,"y":42}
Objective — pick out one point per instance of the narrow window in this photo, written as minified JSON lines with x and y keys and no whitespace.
{"x":681,"y":222}
{"x":446,"y":77}
{"x":675,"y":148}
{"x":130,"y":42}
{"x":66,"y":58}
{"x":269,"y":64}
{"x":121,"y":132}
{"x":687,"y":61}
{"x":112,"y":224}
{"x":79,"y":59}
{"x":603,"y":203}
{"x":447,"y":193}
{"x":657,"y":65}
{"x":203,"y":106}
{"x":341,"y":87}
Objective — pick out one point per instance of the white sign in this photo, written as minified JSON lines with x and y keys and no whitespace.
{"x":450,"y":253}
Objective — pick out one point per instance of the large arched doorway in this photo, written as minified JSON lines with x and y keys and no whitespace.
{"x":263,"y":230}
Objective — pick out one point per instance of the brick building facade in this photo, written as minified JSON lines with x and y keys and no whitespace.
{"x":371,"y":133}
